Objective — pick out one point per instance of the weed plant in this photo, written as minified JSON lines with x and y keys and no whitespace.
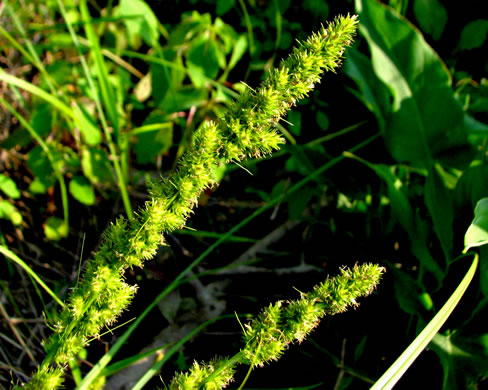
{"x":248,"y":129}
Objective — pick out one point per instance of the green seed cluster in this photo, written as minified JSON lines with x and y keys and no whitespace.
{"x":220,"y":370}
{"x":282,"y":323}
{"x":46,"y":379}
{"x":248,"y":129}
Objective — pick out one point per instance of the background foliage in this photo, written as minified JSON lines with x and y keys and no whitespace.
{"x":399,"y":136}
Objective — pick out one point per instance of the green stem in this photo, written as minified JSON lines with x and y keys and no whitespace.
{"x":252,"y":48}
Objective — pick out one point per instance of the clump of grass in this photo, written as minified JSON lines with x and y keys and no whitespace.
{"x":248,"y":129}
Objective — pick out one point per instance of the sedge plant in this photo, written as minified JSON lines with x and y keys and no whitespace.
{"x":248,"y":129}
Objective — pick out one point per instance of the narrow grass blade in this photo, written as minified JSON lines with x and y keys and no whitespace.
{"x":149,"y":128}
{"x":31,"y":88}
{"x":111,"y":145}
{"x":105,"y":89}
{"x":397,"y":369}
{"x":17,"y":260}
{"x":127,"y":362}
{"x":31,"y":55}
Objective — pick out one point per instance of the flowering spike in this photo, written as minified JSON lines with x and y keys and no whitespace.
{"x":246,"y":130}
{"x":282,"y":323}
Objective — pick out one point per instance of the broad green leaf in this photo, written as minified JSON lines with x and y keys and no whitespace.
{"x":431,"y":15}
{"x":91,"y":134}
{"x":153,"y":143}
{"x":477,"y":233}
{"x":473,"y":34}
{"x":464,"y":359}
{"x":60,"y":71}
{"x":8,"y":186}
{"x":41,"y":167}
{"x":202,"y":60}
{"x":140,"y":22}
{"x":41,"y":120}
{"x":19,"y":137}
{"x":372,"y":93}
{"x":82,"y":190}
{"x":239,"y":48}
{"x":439,"y":202}
{"x":424,"y":117}
{"x":224,"y":6}
{"x":8,"y":211}
{"x":472,"y":185}
{"x":55,"y":229}
{"x":164,"y":78}
{"x":408,"y":292}
{"x":474,"y":126}
{"x":160,"y":81}
{"x":96,"y":166}
{"x":183,"y":99}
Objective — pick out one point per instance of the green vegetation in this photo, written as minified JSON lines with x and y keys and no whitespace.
{"x":121,"y":117}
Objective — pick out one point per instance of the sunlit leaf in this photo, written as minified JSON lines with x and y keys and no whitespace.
{"x":96,"y":166}
{"x":91,"y":134}
{"x":477,"y":233}
{"x":140,"y":21}
{"x":203,"y":60}
{"x":424,"y":115}
{"x":8,"y":186}
{"x":82,"y":190}
{"x":55,"y":229}
{"x":8,"y":211}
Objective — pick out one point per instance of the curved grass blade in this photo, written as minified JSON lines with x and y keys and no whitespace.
{"x":17,"y":260}
{"x":401,"y":365}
